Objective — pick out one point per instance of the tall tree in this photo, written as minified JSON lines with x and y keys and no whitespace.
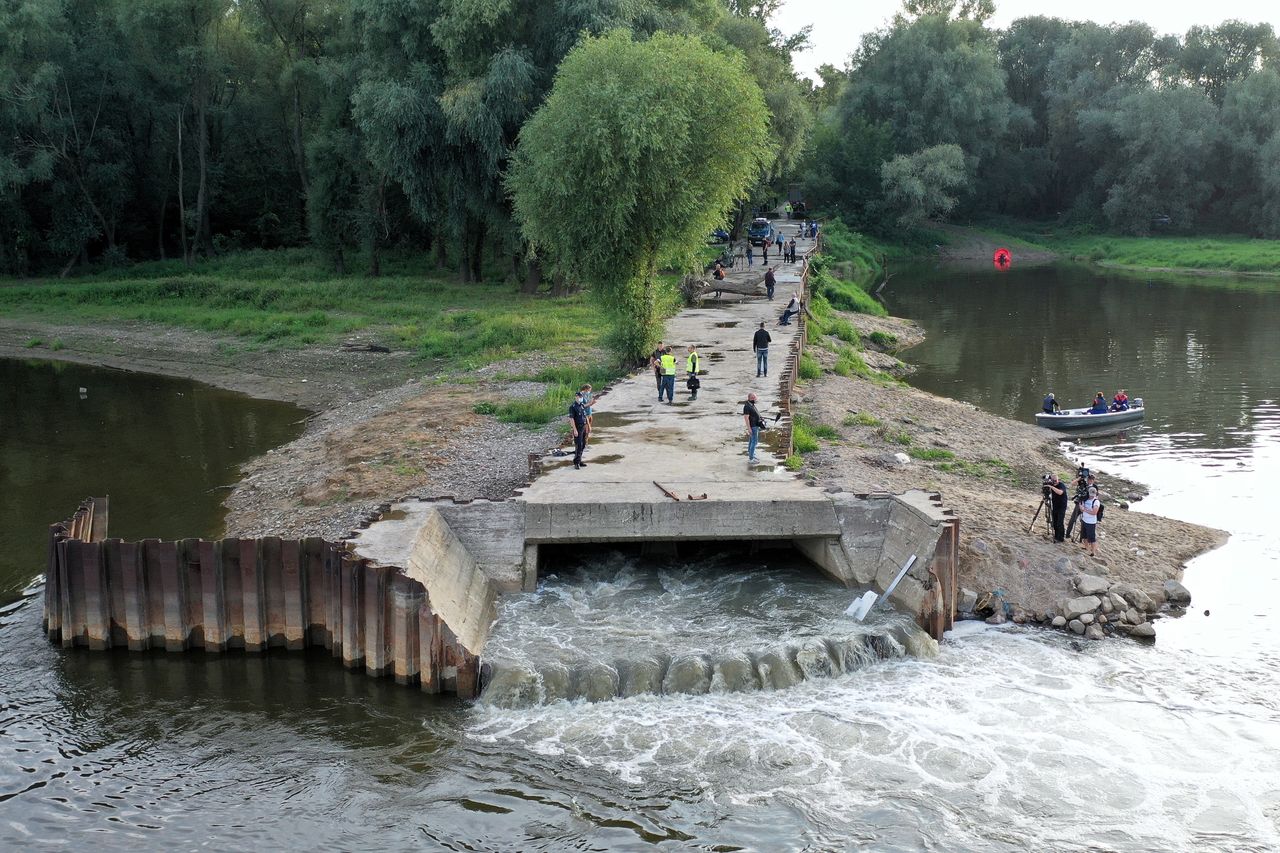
{"x":651,"y":143}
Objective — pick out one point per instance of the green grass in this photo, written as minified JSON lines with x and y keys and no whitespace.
{"x":809,"y":368}
{"x":826,"y":431}
{"x":57,"y":344}
{"x":33,"y":342}
{"x":850,"y":363}
{"x":894,"y":436}
{"x":983,"y":470}
{"x":803,"y":438}
{"x":793,"y":463}
{"x":930,"y":454}
{"x":291,"y":298}
{"x":861,"y":419}
{"x":1228,"y":254}
{"x":884,"y":339}
{"x":1218,"y":253}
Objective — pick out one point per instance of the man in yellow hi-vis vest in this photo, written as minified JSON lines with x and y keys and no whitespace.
{"x":668,"y":365}
{"x":691,"y":365}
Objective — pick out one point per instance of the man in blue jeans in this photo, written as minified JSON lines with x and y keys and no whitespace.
{"x":760,"y":343}
{"x":751,"y":417}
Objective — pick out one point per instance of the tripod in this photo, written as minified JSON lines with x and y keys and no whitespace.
{"x":1047,"y":509}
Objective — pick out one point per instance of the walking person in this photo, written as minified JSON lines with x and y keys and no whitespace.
{"x":1090,"y":512}
{"x":655,"y":361}
{"x":751,"y":417}
{"x":668,"y":364}
{"x":692,"y":363}
{"x":764,"y":250}
{"x":770,"y":282}
{"x":760,"y":343}
{"x":791,"y":247}
{"x":751,"y":255}
{"x":578,"y":425}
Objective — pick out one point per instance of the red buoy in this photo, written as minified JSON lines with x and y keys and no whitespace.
{"x":1003,"y":259}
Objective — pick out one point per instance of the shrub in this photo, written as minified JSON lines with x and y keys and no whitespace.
{"x":793,"y":463}
{"x":861,"y":419}
{"x":894,"y":436}
{"x":34,"y":342}
{"x":809,"y":369}
{"x":485,"y":408}
{"x":884,"y":339}
{"x":931,"y":454}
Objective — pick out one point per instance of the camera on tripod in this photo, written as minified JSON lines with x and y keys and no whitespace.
{"x":1045,"y":482}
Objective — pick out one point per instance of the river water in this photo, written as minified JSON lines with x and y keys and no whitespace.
{"x":1008,"y":739}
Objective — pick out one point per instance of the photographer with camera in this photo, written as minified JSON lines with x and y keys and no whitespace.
{"x":1083,"y":482}
{"x":1056,"y":491}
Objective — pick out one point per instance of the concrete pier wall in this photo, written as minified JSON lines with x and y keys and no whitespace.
{"x":252,"y":595}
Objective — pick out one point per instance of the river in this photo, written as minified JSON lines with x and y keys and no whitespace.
{"x":1008,"y":739}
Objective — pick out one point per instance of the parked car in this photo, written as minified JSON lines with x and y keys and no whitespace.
{"x":719,"y":236}
{"x":760,"y":229}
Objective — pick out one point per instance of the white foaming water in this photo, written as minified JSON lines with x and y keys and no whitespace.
{"x":622,"y":627}
{"x":1011,"y":738}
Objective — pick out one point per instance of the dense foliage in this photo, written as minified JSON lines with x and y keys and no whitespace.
{"x":151,"y":129}
{"x":649,"y":143}
{"x":1108,"y":126}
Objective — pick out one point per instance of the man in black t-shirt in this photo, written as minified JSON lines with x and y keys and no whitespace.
{"x":770,"y":282}
{"x":751,"y":417}
{"x":1058,"y":494}
{"x":760,"y":343}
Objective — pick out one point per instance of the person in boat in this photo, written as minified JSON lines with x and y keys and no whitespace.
{"x":1051,"y":406}
{"x":1099,"y":405}
{"x":1120,"y":402}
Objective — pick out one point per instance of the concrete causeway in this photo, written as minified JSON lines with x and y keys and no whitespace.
{"x":694,"y":447}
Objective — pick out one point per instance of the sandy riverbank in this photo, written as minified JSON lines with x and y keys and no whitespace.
{"x":990,"y":474}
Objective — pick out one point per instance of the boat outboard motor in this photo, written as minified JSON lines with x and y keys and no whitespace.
{"x":1136,"y":403}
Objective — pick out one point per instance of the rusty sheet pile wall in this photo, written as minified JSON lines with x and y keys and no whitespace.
{"x":246,"y":594}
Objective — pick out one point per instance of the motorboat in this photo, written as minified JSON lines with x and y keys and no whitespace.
{"x":1084,"y":419}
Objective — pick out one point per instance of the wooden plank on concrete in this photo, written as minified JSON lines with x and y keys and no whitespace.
{"x":153,"y":584}
{"x":113,"y":570}
{"x":313,"y":555}
{"x":375,"y":620}
{"x":137,"y":628}
{"x":97,"y":604}
{"x":191,"y":570}
{"x":173,"y":595}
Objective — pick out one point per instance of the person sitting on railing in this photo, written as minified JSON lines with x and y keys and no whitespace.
{"x":793,"y":308}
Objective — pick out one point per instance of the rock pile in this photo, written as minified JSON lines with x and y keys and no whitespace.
{"x":1099,"y":609}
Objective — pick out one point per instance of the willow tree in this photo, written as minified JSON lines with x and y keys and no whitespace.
{"x":640,"y":151}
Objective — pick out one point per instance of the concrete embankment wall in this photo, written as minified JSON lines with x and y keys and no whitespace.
{"x":257,"y":594}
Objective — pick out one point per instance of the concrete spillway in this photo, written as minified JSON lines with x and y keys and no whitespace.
{"x":413,"y":594}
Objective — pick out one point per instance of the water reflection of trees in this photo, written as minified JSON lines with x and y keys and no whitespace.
{"x":1200,"y":354}
{"x":161,"y":447}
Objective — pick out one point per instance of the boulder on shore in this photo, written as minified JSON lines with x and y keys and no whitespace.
{"x":1094,"y":632}
{"x":1073,"y":607}
{"x":1059,"y":621}
{"x":1177,"y":594}
{"x":1145,"y":631}
{"x":1076,"y":626}
{"x":1091,"y":584}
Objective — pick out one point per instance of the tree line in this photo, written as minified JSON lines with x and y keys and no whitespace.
{"x":1106,"y":126}
{"x":145,"y":129}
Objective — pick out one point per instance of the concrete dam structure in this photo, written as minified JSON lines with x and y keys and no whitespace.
{"x":412,"y":595}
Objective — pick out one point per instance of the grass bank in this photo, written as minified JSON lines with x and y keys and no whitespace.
{"x":1204,"y":254}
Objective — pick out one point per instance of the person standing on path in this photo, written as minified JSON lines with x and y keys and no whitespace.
{"x":788,"y":209}
{"x":770,"y":282}
{"x":692,"y":363}
{"x":1090,"y":510}
{"x":751,"y":417}
{"x":791,"y":248}
{"x":655,"y":361}
{"x":668,"y":363}
{"x":578,"y":424}
{"x":764,"y":250}
{"x":760,"y":343}
{"x":751,"y":255}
